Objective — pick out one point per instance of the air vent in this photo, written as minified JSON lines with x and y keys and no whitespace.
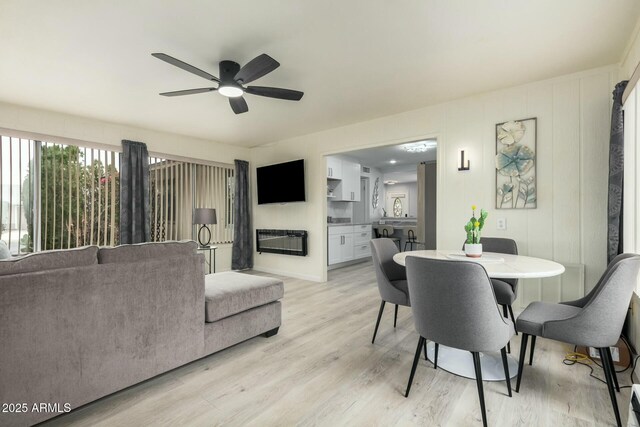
{"x":366,"y":169}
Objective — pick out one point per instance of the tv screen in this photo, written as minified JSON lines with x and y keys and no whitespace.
{"x":281,"y":183}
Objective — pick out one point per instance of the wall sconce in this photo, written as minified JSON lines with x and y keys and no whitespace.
{"x":464,"y":164}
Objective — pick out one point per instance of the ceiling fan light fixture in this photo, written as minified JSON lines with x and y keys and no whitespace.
{"x":230,"y":91}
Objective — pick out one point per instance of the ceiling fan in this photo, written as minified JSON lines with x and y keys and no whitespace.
{"x":233,"y":79}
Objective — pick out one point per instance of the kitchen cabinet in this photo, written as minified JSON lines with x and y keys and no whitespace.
{"x":350,"y":181}
{"x":334,"y":168}
{"x":344,"y":178}
{"x":348,"y":242}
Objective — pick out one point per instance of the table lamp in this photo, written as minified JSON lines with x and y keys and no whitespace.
{"x":204,"y":216}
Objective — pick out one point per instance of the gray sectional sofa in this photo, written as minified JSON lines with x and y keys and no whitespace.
{"x":79,"y":324}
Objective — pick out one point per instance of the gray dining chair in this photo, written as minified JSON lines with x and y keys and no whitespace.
{"x":391,"y":278}
{"x":453,"y":304}
{"x":386,"y":231}
{"x":506,"y":290}
{"x":593,"y":321}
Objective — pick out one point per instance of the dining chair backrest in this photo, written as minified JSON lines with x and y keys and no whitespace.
{"x":501,"y":245}
{"x":385,"y":230}
{"x":387,"y":270}
{"x":600,"y":321}
{"x":581,"y":302}
{"x":453,"y":304}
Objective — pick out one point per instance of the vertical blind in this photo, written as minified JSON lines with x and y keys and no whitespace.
{"x":60,"y":196}
{"x":179,"y":187}
{"x":16,"y":186}
{"x":80,"y":196}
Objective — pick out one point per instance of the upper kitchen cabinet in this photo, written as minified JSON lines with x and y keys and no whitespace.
{"x":344,"y":179}
{"x":350,"y":181}
{"x":334,"y":168}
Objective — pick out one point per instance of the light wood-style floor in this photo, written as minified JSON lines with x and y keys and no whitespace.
{"x":321,"y":369}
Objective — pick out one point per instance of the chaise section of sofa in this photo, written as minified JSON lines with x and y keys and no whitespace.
{"x":238,"y":305}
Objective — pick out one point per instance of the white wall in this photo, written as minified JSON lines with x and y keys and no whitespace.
{"x":569,"y":224}
{"x":408,"y":188}
{"x":61,"y":125}
{"x":631,"y":56}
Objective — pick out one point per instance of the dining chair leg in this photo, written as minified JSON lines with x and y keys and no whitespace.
{"x":435,"y":359}
{"x":421,"y":342}
{"x":533,"y":346}
{"x":509,"y":347}
{"x":505,"y":313}
{"x":395,"y":316}
{"x":607,"y":373}
{"x":513,"y":318}
{"x":375,"y":331}
{"x":612,"y":369}
{"x":478,"y":369}
{"x":523,"y":353}
{"x":505,"y":364}
{"x":425,"y":350}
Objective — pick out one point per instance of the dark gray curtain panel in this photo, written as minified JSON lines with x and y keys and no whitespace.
{"x":242,"y":253}
{"x":134,"y":193}
{"x":616,"y":173}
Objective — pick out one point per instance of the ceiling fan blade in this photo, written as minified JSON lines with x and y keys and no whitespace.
{"x":189,"y":91}
{"x":183,"y":65}
{"x":238,"y":105}
{"x":256,"y":68}
{"x":275,"y":92}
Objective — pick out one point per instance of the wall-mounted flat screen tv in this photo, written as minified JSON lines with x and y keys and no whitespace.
{"x":281,"y":183}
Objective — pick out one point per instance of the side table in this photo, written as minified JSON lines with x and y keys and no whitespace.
{"x":212,"y":256}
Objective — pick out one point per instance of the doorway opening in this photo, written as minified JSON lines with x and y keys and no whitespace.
{"x":392,"y":186}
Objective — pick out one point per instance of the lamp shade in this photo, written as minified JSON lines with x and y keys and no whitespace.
{"x":204,"y":216}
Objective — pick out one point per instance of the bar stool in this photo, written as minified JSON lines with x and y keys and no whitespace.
{"x":387,"y":231}
{"x":411,"y":237}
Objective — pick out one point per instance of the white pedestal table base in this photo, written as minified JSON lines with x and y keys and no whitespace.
{"x":460,"y":362}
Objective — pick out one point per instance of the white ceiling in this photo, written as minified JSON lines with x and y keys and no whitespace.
{"x":355,"y":60}
{"x":381,"y":157}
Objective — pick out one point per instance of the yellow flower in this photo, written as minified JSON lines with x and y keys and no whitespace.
{"x":474,"y":207}
{"x":477,"y":224}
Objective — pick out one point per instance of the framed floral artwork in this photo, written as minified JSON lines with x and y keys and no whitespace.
{"x":516,"y":186}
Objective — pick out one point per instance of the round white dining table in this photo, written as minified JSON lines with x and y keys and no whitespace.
{"x":498,"y":266}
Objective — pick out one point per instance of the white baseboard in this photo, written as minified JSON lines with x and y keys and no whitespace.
{"x":311,"y":278}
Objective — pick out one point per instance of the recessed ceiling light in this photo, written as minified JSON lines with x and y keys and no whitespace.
{"x":393,"y":162}
{"x":390,"y":182}
{"x":419,"y":146}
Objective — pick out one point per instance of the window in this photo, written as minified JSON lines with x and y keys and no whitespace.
{"x":60,"y":196}
{"x":631,"y":190}
{"x":79,"y":198}
{"x":178,"y":187}
{"x":16,"y":188}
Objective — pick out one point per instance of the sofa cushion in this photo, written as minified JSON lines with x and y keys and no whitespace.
{"x":229,"y":293}
{"x":4,"y":251}
{"x":142,"y":251}
{"x":50,"y":260}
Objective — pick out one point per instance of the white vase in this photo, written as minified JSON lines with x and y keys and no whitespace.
{"x":473,"y":250}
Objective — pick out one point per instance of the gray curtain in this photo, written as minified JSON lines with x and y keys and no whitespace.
{"x":134,"y":193}
{"x":616,"y":173}
{"x":242,"y":253}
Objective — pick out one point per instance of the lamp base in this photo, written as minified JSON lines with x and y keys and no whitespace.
{"x":201,"y":241}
